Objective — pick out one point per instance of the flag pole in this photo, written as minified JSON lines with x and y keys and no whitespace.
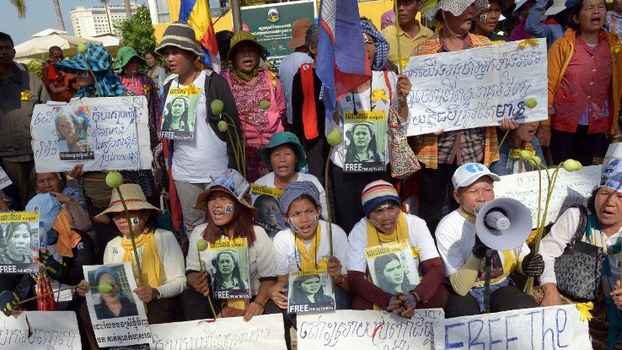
{"x":398,"y":29}
{"x":236,"y":14}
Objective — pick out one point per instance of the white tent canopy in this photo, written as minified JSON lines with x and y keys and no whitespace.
{"x":38,"y":46}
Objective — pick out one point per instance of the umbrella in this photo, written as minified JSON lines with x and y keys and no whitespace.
{"x":38,"y":46}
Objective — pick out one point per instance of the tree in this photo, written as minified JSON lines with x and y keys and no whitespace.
{"x":59,"y":15}
{"x":20,"y":6}
{"x":137,"y":31}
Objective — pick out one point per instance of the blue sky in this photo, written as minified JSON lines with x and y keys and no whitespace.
{"x":40,"y":15}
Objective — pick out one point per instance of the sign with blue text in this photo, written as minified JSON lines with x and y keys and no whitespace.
{"x":101,"y":133}
{"x":478,"y":87}
{"x":56,"y":330}
{"x":553,"y":327}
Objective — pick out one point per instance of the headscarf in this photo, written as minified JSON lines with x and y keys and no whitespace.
{"x":382,"y":47}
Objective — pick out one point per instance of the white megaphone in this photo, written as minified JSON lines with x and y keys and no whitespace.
{"x":503,"y":223}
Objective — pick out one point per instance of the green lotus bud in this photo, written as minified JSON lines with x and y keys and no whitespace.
{"x":264,"y":104}
{"x":104,"y":287}
{"x":82,"y":48}
{"x":223,"y":126}
{"x":572,"y":165}
{"x":334,"y":137}
{"x":535,"y":161}
{"x":531,"y":102}
{"x":114,"y":179}
{"x":525,"y":155}
{"x":202,"y":244}
{"x":217,"y":106}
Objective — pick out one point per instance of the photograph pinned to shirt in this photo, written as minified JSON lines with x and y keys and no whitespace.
{"x":310,"y":292}
{"x":229,"y":269}
{"x":269,"y":217}
{"x":73,"y":127}
{"x":113,"y":306}
{"x":180,"y":110}
{"x":20,"y":241}
{"x":365,"y":135}
{"x":393,"y":267}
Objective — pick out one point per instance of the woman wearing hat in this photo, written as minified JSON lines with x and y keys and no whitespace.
{"x":161,"y":259}
{"x":385,"y":223}
{"x":251,"y":84}
{"x":443,"y":152}
{"x":383,"y":91}
{"x":128,"y":61}
{"x":194,"y":164}
{"x":285,"y":157}
{"x":306,"y":244}
{"x":229,"y":216}
{"x":486,"y":21}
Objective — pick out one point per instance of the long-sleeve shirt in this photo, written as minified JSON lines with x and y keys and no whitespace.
{"x":538,"y":29}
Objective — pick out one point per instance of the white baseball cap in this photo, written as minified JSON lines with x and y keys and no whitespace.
{"x":468,"y":173}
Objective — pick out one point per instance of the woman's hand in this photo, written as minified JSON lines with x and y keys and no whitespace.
{"x":198,"y":282}
{"x":334,"y":267}
{"x":63,"y":198}
{"x":399,"y":305}
{"x":278,"y":294}
{"x":508,"y":124}
{"x":544,"y":135}
{"x":83,"y":288}
{"x":253,"y":309}
{"x":403,"y":86}
{"x":551,"y":295}
{"x":146,"y":294}
{"x":617,"y":295}
{"x":76,"y":172}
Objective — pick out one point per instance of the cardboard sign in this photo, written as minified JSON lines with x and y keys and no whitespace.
{"x":570,"y":188}
{"x":101,"y":133}
{"x":368,"y":329}
{"x":261,"y":332}
{"x":554,"y":327}
{"x":310,"y":291}
{"x":56,"y":330}
{"x":477,"y":87}
{"x":20,"y":231}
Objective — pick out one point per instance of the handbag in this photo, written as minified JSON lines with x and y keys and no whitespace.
{"x":578,"y":269}
{"x":402,"y":158}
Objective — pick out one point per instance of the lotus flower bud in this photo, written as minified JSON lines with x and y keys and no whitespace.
{"x":217,"y":106}
{"x":114,"y":179}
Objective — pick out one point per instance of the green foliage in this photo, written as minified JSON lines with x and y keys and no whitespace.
{"x":252,"y":2}
{"x":137,"y":31}
{"x":35,"y":67}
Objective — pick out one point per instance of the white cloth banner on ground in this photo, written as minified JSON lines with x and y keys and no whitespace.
{"x":261,"y":332}
{"x":570,"y":188}
{"x":553,"y":327}
{"x":56,"y":330}
{"x":367,"y":329}
{"x":4,"y":179}
{"x":101,"y":133}
{"x":477,"y":87}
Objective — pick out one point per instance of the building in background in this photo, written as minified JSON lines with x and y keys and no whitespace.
{"x":93,"y":21}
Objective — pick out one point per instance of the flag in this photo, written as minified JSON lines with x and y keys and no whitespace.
{"x":342,"y":62}
{"x":197,"y":14}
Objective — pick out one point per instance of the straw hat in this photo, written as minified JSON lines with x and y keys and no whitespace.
{"x":134,"y":200}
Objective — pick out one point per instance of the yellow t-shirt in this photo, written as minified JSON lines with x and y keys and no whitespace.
{"x":407,"y":42}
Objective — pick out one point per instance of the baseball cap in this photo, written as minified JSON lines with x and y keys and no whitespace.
{"x":468,"y":173}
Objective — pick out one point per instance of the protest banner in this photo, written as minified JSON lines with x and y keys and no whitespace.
{"x":229,"y":266}
{"x":261,"y":332}
{"x":20,"y":231}
{"x":553,"y":327}
{"x":477,"y":87}
{"x":56,"y":330}
{"x":4,"y":179}
{"x":101,"y":133}
{"x":570,"y":188}
{"x":392,"y":267}
{"x":310,"y":291}
{"x":365,"y":133}
{"x":367,"y":329}
{"x":117,"y":314}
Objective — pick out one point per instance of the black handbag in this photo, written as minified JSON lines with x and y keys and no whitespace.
{"x":578,"y":269}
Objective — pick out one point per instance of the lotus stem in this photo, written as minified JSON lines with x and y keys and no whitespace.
{"x":129,"y":222}
{"x":498,"y":148}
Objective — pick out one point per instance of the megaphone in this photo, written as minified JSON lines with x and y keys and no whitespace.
{"x":503,"y":223}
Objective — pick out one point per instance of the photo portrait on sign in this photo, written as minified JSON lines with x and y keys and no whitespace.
{"x":310,"y":292}
{"x":19,"y":241}
{"x":229,"y":272}
{"x":365,"y":141}
{"x":392,"y":268}
{"x":178,"y":120}
{"x":72,"y":128}
{"x":119,"y":302}
{"x":270,"y":217}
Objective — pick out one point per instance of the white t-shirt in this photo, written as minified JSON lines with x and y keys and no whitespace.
{"x":419,"y":237}
{"x":268,"y":181}
{"x":455,"y":238}
{"x":287,"y":69}
{"x":205,"y":157}
{"x":285,"y":248}
{"x":260,"y":256}
{"x":171,"y":258}
{"x":363,"y":103}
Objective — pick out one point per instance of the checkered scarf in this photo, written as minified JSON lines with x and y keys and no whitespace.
{"x":382,"y":47}
{"x":98,"y":60}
